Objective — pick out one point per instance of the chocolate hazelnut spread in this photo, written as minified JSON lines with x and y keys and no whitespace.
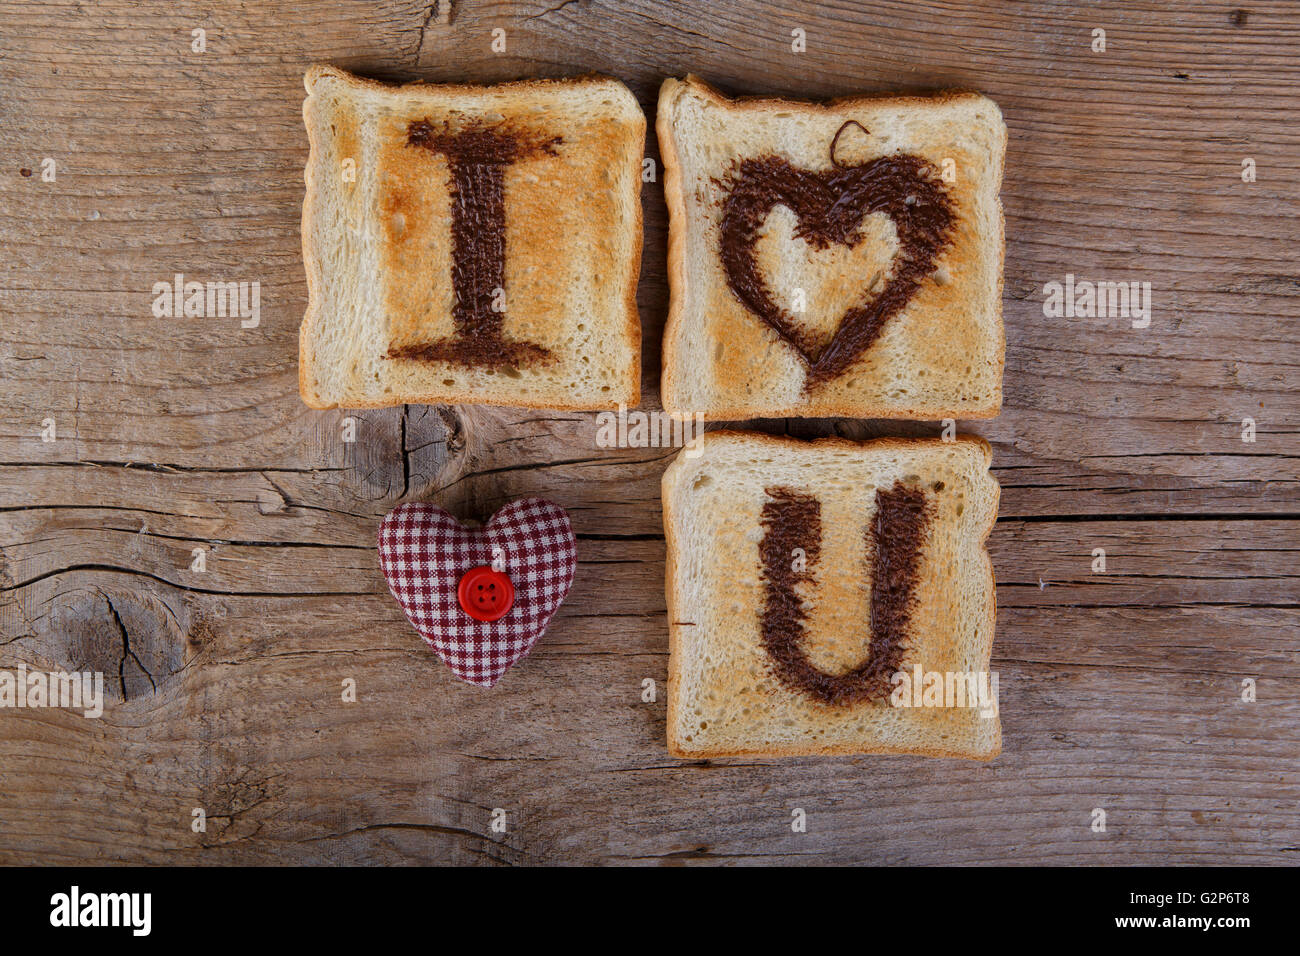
{"x":477,"y":157}
{"x":830,"y":207}
{"x":792,"y":520}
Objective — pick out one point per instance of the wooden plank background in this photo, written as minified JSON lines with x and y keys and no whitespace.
{"x":1120,"y":690}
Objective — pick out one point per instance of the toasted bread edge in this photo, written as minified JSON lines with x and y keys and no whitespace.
{"x":726,"y":435}
{"x":631,"y":396}
{"x":670,"y":94}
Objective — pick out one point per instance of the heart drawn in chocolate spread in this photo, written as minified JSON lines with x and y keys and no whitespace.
{"x":830,"y":208}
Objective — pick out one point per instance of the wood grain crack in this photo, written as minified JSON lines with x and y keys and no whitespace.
{"x":127,"y":652}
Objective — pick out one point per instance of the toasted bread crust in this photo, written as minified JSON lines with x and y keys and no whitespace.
{"x":677,"y":747}
{"x":626,"y":389}
{"x":679,"y":272}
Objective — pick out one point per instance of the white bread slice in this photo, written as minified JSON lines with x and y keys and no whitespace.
{"x":378,"y":244}
{"x":726,"y":695}
{"x":938,"y":356}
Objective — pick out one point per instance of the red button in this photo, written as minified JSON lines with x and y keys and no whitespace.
{"x":485,"y":594}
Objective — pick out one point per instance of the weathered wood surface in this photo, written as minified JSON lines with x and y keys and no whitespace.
{"x":1119,"y":690}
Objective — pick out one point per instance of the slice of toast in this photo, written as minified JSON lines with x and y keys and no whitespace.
{"x":832,"y":259}
{"x":471,"y":244}
{"x":805,"y":577}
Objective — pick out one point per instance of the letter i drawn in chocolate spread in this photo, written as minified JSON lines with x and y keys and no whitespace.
{"x":477,"y":157}
{"x":792,"y":523}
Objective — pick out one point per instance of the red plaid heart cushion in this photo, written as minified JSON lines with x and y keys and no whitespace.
{"x":424,"y":552}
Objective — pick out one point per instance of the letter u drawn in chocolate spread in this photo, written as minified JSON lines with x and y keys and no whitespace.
{"x":898,"y":531}
{"x":477,"y":157}
{"x":830,"y":207}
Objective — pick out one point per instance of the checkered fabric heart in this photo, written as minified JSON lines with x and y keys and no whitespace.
{"x":424,"y":552}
